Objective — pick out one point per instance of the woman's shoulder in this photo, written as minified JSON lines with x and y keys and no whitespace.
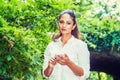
{"x":81,"y":44}
{"x":52,"y":43}
{"x":79,"y":41}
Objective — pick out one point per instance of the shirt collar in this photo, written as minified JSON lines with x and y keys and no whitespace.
{"x":71,"y":39}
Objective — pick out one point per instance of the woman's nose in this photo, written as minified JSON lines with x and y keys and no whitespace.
{"x":64,"y":25}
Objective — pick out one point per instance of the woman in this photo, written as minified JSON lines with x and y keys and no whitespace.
{"x":67,"y":56}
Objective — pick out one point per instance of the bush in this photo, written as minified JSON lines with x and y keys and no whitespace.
{"x":20,"y":53}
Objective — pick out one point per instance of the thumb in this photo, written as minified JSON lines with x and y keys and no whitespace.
{"x":65,"y":55}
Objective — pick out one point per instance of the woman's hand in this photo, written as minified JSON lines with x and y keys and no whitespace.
{"x":52,"y":62}
{"x":62,"y":59}
{"x":50,"y":67}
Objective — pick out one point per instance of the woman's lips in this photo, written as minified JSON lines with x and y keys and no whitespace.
{"x":63,"y":29}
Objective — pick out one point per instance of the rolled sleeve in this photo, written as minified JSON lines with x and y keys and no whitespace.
{"x":46,"y":59}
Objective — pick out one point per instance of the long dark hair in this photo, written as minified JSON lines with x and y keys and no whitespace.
{"x":74,"y":32}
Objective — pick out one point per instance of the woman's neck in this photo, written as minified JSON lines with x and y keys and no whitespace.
{"x":65,"y":38}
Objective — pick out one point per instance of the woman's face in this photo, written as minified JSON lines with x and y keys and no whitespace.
{"x":66,"y":24}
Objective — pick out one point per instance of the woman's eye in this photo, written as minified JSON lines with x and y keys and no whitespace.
{"x":61,"y":22}
{"x":68,"y":23}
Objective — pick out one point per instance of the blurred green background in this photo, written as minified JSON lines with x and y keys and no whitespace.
{"x":26,"y":27}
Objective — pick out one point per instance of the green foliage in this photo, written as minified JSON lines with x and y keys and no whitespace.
{"x":3,"y":22}
{"x":20,"y":53}
{"x":99,"y":76}
{"x":101,"y":38}
{"x":101,"y":33}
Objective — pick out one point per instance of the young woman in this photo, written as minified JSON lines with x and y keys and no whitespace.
{"x":67,"y":56}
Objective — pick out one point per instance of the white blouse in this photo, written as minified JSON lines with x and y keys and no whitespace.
{"x":77,"y":52}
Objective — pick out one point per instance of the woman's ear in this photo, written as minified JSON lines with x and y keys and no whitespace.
{"x":74,"y":26}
